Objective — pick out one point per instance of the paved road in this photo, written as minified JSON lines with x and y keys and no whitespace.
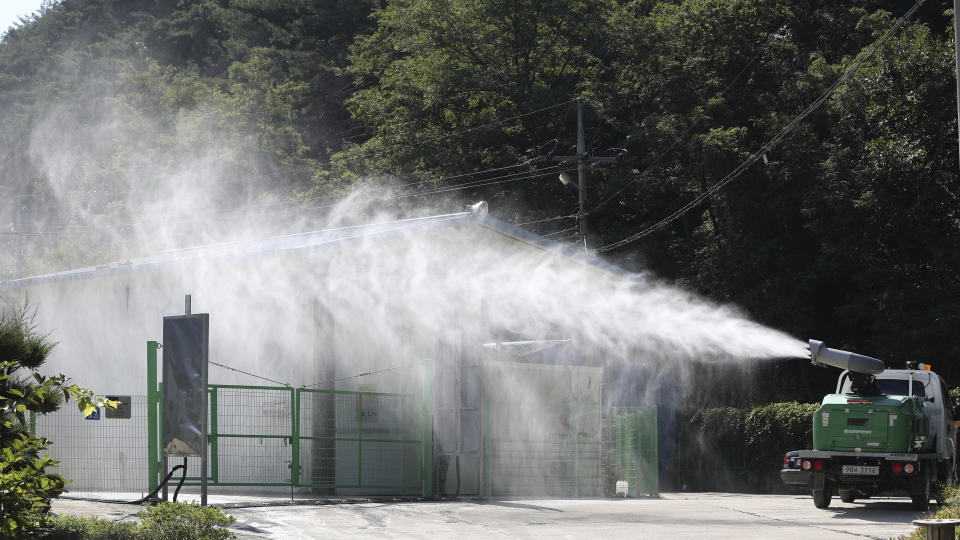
{"x":674,"y":516}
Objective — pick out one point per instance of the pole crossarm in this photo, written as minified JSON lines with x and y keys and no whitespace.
{"x":583,"y":159}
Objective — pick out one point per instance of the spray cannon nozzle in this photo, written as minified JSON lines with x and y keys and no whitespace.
{"x":821,"y":355}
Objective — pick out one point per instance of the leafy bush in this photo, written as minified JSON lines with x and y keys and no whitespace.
{"x":730,"y":448}
{"x":949,"y":510}
{"x":165,"y":521}
{"x":174,"y":521}
{"x":26,"y":486}
{"x":90,"y":528}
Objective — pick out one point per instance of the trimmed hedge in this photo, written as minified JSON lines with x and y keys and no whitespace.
{"x":165,"y":521}
{"x":733,"y":449}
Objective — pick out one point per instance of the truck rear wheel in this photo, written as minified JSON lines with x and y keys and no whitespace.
{"x":821,"y":497}
{"x":920,"y":491}
{"x":848,"y":495}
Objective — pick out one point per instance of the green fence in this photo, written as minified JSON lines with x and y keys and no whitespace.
{"x":305,"y":438}
{"x":602,"y":447}
{"x":356,"y":442}
{"x":103,"y":456}
{"x":636,"y":455}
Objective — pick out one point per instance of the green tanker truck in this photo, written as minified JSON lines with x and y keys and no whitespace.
{"x":884,"y":430}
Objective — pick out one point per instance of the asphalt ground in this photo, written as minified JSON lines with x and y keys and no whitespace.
{"x":673,"y":515}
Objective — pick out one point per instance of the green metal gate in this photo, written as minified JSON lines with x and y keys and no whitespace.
{"x":305,"y":438}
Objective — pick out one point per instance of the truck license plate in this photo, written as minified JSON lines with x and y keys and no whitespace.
{"x":861,"y":469}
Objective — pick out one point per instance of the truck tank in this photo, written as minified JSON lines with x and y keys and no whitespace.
{"x":866,"y":420}
{"x":851,"y":423}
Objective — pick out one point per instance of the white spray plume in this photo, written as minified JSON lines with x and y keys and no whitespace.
{"x":379,"y":289}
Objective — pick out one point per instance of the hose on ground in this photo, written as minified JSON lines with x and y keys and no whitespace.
{"x":164,"y":483}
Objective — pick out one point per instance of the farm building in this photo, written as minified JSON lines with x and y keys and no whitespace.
{"x":447,"y":355}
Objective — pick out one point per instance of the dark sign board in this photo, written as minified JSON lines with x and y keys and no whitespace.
{"x":185,"y":348}
{"x":123,"y":408}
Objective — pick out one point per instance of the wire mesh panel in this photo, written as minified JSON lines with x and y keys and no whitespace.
{"x":631,"y":451}
{"x":543,"y":468}
{"x":103,"y":456}
{"x":251,"y":433}
{"x":358,"y":440}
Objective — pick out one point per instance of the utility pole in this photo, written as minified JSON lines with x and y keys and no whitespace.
{"x":582,"y":175}
{"x":583,"y":159}
{"x":956,"y":59}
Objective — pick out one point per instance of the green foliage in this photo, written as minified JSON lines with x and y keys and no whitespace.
{"x":90,"y":528}
{"x":165,"y":521}
{"x":950,"y":509}
{"x":729,"y":448}
{"x":26,"y":485}
{"x":175,"y":521}
{"x":846,"y":232}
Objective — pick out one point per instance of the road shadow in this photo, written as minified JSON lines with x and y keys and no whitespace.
{"x":520,"y":505}
{"x":879,"y":510}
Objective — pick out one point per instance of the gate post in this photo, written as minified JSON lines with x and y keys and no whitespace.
{"x":653,"y":452}
{"x":295,"y":438}
{"x":153,"y":429}
{"x":576,"y":448}
{"x":426,"y":431}
{"x":213,"y":439}
{"x":487,"y":450}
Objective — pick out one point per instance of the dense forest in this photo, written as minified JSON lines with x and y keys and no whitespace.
{"x":819,"y":198}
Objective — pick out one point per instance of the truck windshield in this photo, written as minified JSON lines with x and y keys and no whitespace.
{"x":892,"y":387}
{"x":899,"y":387}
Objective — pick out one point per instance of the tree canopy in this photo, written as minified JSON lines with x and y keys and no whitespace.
{"x":244,"y":110}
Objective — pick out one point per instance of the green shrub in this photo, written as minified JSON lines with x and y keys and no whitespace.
{"x":176,"y":521}
{"x":25,"y":486}
{"x":90,"y":528}
{"x":165,"y":521}
{"x":733,"y":449}
{"x":949,"y":510}
{"x":26,"y":483}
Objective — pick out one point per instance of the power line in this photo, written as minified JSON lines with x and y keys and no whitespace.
{"x":567,"y":237}
{"x":246,"y":373}
{"x":359,"y":375}
{"x":677,"y":139}
{"x":456,"y":133}
{"x":397,"y":186}
{"x":771,"y":143}
{"x":326,"y":164}
{"x":289,"y":206}
{"x":561,"y":231}
{"x":556,"y":218}
{"x":513,"y":177}
{"x":77,"y":230}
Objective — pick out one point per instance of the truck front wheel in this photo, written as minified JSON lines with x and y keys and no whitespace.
{"x":920,"y":491}
{"x":821,"y":497}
